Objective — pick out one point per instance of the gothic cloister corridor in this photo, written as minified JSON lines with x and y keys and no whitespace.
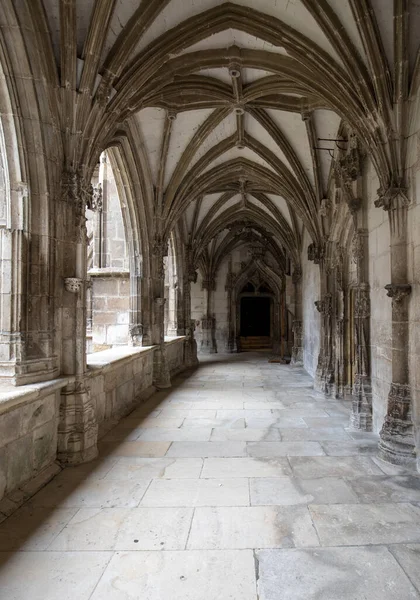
{"x":240,"y":482}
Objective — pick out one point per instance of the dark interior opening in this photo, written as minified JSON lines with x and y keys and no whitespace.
{"x":255,"y":316}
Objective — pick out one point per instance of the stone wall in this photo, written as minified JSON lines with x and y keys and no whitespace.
{"x":29,"y":419}
{"x":119,"y":379}
{"x":110,"y":308}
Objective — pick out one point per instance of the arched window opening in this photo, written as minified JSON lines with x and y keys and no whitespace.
{"x":108,"y":298}
{"x":171,"y":288}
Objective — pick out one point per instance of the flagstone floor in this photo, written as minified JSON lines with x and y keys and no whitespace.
{"x":238,"y":483}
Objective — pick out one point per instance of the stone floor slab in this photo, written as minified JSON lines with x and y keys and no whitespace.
{"x":246,"y":435}
{"x":366,"y":573}
{"x":408,"y":557}
{"x":252,"y":527}
{"x":185,"y":434}
{"x":132,"y":469}
{"x":93,"y":494}
{"x":331,"y":466}
{"x":289,"y":491}
{"x":361,"y":524}
{"x":320,"y":434}
{"x":268,"y":449}
{"x":197,"y":492}
{"x":125,"y":529}
{"x":245,"y":467}
{"x":142,"y":449}
{"x":33,"y":529}
{"x":351,"y":448}
{"x":402,"y":488}
{"x":193,"y":575}
{"x":207,"y":449}
{"x":51,"y":575}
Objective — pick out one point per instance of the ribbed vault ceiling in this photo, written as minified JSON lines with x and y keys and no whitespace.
{"x":228,"y":104}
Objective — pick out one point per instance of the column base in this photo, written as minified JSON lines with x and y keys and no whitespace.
{"x":297,"y":356}
{"x":396,"y":443}
{"x":361,"y":414}
{"x":208,"y":344}
{"x":78,"y":429}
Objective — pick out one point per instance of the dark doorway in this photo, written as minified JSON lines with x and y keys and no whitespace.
{"x":255,"y":316}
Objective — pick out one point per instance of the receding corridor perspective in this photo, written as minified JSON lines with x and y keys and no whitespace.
{"x":239,"y":483}
{"x":209,"y":299}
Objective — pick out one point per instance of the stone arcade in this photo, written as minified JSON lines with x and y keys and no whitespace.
{"x":189,"y":188}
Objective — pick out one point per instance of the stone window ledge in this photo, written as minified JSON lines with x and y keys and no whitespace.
{"x":171,"y":339}
{"x":108,"y":272}
{"x":115,"y":356}
{"x":12,"y":396}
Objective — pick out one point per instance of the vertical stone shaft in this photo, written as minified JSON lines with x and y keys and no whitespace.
{"x":297,"y":326}
{"x":361,"y":415}
{"x":396,"y":437}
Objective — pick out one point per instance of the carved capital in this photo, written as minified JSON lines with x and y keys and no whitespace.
{"x":393,"y":198}
{"x":398,"y":291}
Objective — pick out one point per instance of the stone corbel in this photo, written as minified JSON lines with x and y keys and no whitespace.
{"x":319,"y":305}
{"x":73,"y":284}
{"x":398,"y":291}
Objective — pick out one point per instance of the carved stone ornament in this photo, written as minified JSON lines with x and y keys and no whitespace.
{"x":362,"y":304}
{"x":398,"y":291}
{"x":325,"y":207}
{"x":73,"y":284}
{"x":97,"y":198}
{"x":357,"y":247}
{"x":297,"y":274}
{"x":396,"y":443}
{"x":393,"y":198}
{"x":328,"y":304}
{"x":136,"y":330}
{"x":319,"y":305}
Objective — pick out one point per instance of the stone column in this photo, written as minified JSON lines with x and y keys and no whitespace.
{"x":161,"y":377}
{"x":208,"y":321}
{"x":325,"y":370}
{"x":77,"y":429}
{"x":396,"y":437}
{"x":297,"y":325}
{"x":231,"y":341}
{"x":190,"y":343}
{"x":361,"y":415}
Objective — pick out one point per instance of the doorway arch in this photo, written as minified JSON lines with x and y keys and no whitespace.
{"x":258,"y":280}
